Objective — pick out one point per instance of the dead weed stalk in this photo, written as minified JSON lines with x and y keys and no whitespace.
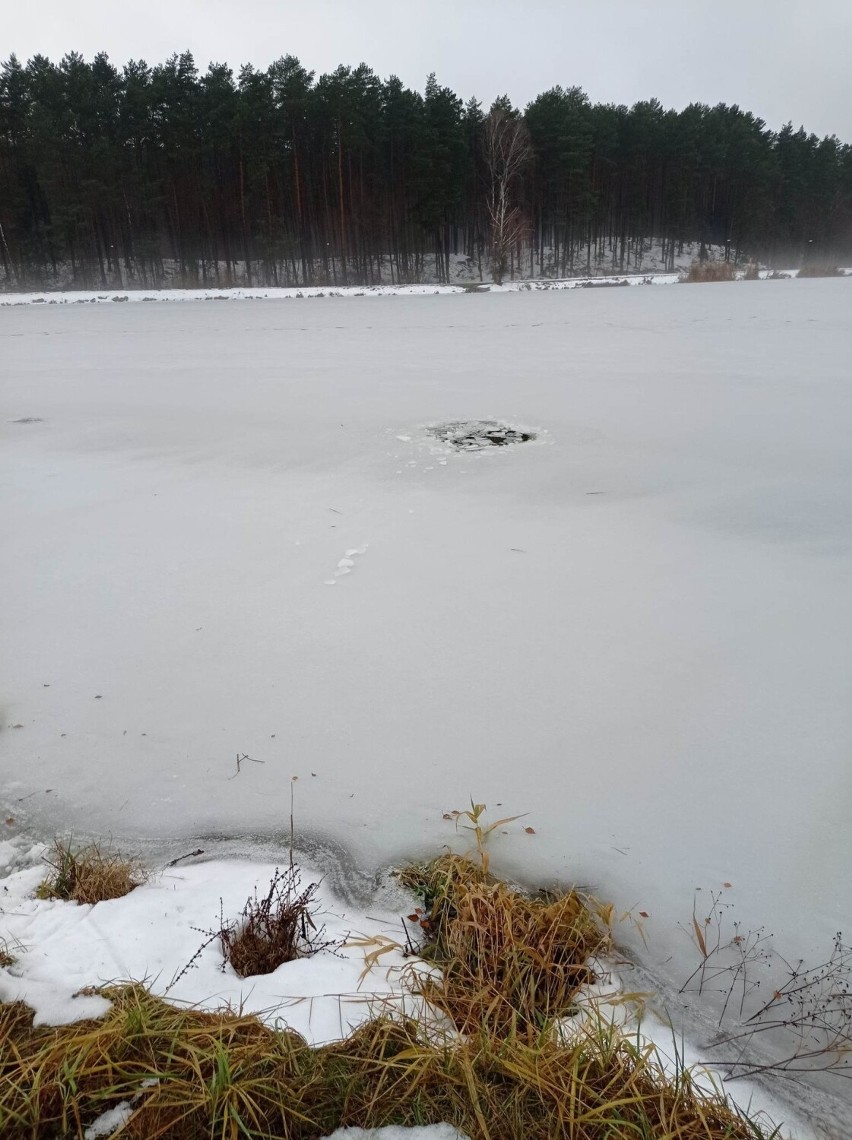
{"x":807,"y":1010}
{"x":272,"y":929}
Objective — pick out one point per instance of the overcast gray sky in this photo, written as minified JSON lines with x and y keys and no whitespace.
{"x":782,"y":59}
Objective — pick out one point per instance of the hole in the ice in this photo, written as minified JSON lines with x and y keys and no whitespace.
{"x":29,"y":420}
{"x":475,"y":435}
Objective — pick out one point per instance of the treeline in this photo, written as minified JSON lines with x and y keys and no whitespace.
{"x":145,"y":175}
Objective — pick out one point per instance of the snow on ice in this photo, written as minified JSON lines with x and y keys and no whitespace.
{"x":635,"y":626}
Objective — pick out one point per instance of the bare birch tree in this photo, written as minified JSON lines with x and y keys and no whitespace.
{"x":507,"y":154}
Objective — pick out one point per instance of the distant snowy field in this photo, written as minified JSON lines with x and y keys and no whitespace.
{"x":228,"y":531}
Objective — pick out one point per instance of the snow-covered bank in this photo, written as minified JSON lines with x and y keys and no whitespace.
{"x":62,"y":950}
{"x":636,"y":626}
{"x":62,"y":953}
{"x":271,"y":293}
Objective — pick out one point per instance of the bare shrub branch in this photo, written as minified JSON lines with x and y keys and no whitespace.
{"x":273,"y":929}
{"x":508,"y":153}
{"x":808,"y":1013}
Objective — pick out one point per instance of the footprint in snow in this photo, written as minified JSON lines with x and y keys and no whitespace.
{"x":346,"y":564}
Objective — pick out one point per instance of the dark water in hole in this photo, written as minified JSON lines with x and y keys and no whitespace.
{"x":474,"y":435}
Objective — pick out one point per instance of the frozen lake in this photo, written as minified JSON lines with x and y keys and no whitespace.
{"x":637,"y":628}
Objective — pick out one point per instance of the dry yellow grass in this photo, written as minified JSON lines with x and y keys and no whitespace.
{"x":88,"y":874}
{"x":189,"y":1075}
{"x":701,"y":272}
{"x":511,"y":965}
{"x":508,"y":962}
{"x":820,"y":271}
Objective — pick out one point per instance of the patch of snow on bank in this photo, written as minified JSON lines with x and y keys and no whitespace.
{"x":153,"y":933}
{"x":110,"y":1121}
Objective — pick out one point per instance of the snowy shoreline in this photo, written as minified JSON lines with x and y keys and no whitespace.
{"x":282,"y":293}
{"x":61,"y":954}
{"x":273,"y":293}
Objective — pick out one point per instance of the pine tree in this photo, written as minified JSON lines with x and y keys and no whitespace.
{"x":156,"y":174}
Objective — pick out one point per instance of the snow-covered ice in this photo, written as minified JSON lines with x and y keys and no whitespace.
{"x":635,"y":627}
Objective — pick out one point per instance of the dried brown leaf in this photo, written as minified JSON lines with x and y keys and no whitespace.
{"x":699,"y":937}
